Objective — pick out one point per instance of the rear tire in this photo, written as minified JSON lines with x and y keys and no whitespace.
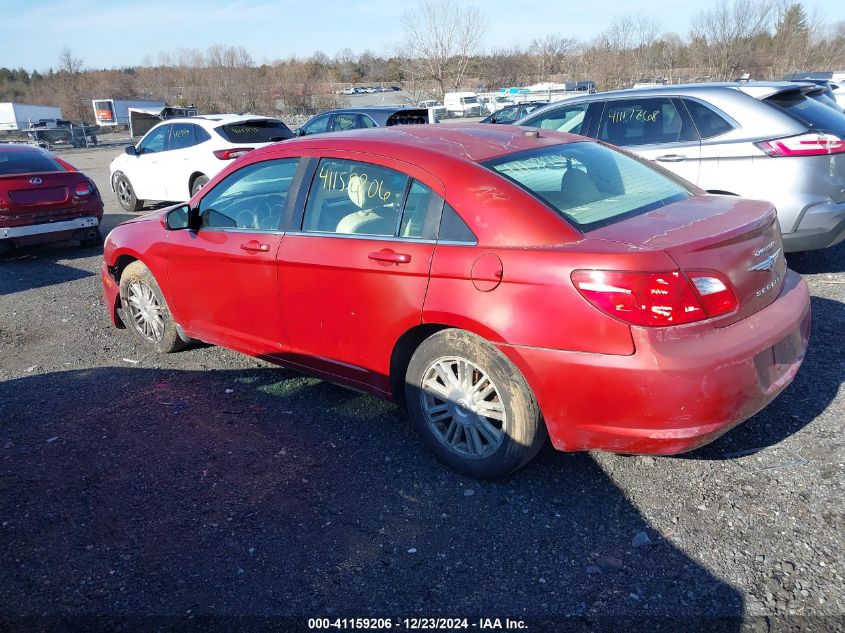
{"x":145,"y":311}
{"x":126,"y":194}
{"x":472,"y":406}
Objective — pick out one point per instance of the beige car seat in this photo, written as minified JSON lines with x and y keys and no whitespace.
{"x":374,"y":220}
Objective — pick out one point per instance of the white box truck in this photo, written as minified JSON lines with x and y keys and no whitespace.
{"x":21,"y":116}
{"x":462,"y":104}
{"x":116,"y":111}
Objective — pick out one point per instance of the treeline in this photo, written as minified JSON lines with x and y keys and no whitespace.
{"x":762,"y":39}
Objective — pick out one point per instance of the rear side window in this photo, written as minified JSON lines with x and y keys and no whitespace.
{"x":453,"y":228}
{"x":421,"y":213}
{"x":354,"y":198}
{"x":182,"y":136}
{"x":27,"y":162}
{"x":708,"y":122}
{"x":256,"y":131}
{"x":809,"y":111}
{"x":342,"y":122}
{"x":651,"y":121}
{"x":588,"y":184}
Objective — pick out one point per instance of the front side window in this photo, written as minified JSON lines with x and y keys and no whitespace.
{"x":155,"y":141}
{"x":252,"y":198}
{"x":315,"y":126}
{"x":355,"y":198}
{"x":565,"y":119}
{"x":508,"y":114}
{"x":649,"y":121}
{"x":588,"y":184}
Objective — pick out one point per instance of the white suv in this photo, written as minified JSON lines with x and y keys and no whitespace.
{"x":178,"y":156}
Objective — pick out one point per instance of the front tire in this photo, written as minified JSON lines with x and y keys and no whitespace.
{"x":472,"y":406}
{"x":126,"y":194}
{"x":145,"y":311}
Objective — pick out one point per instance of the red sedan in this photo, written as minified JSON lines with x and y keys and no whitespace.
{"x":44,"y":199}
{"x":502,"y":284}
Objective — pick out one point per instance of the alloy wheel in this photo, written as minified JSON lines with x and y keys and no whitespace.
{"x":145,"y":311}
{"x":463,"y":407}
{"x":124,"y":192}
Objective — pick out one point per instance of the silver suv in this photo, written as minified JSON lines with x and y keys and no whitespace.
{"x":768,"y":140}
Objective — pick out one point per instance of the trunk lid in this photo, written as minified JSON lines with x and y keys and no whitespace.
{"x":736,"y":237}
{"x":35,"y":198}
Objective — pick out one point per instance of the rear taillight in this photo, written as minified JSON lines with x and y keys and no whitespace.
{"x":804,"y":145}
{"x":715,"y":293}
{"x":656,"y":299}
{"x":231,"y":154}
{"x":83,"y":189}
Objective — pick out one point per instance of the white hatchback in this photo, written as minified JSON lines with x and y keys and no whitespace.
{"x":177,"y":157}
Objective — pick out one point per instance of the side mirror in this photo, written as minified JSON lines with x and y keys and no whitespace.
{"x":131,"y":150}
{"x":298,"y":132}
{"x":178,"y":219}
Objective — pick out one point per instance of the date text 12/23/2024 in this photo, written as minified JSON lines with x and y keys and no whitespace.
{"x":417,"y":624}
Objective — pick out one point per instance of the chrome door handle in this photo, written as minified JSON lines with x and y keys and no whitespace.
{"x":671,"y":158}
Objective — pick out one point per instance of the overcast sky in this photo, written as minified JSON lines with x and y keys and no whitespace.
{"x":116,"y":33}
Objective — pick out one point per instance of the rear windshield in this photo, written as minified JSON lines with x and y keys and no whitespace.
{"x":27,"y":163}
{"x":589,"y":184}
{"x":809,"y":111}
{"x":257,"y":131}
{"x":408,"y":117}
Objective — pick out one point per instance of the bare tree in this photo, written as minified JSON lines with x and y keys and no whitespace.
{"x":724,"y":38}
{"x":70,"y":89}
{"x":549,"y":53}
{"x":441,"y":38}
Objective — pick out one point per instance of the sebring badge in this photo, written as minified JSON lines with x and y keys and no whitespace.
{"x":766,"y":264}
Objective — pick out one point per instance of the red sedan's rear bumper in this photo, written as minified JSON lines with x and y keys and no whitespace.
{"x":682,"y":388}
{"x":111,"y":295}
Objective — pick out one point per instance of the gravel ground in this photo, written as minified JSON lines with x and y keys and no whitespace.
{"x":205,"y":483}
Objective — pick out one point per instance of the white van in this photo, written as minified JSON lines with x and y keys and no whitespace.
{"x":462,"y":104}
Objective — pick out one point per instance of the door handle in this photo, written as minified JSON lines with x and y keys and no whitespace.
{"x":388,"y":256}
{"x":671,"y":158}
{"x":254,"y":246}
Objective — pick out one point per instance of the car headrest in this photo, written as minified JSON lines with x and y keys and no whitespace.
{"x":357,"y":190}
